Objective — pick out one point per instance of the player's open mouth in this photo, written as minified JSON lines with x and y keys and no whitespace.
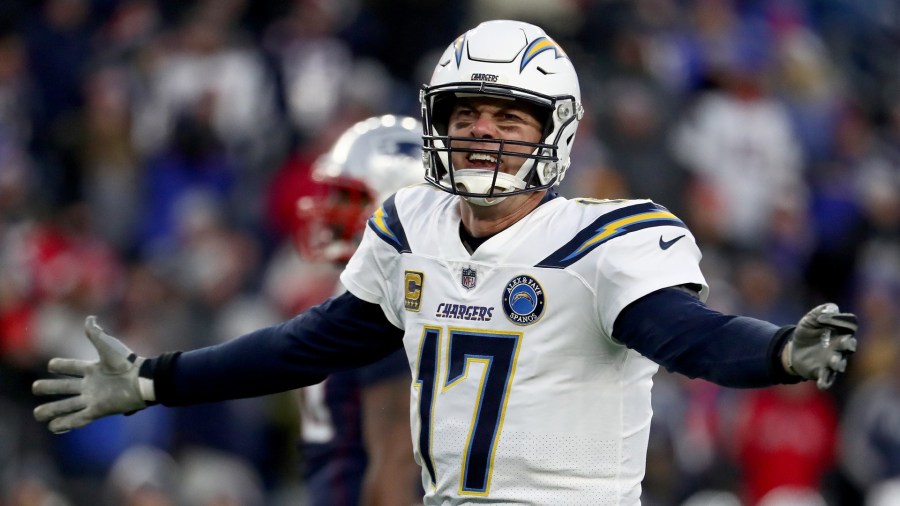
{"x":481,"y":160}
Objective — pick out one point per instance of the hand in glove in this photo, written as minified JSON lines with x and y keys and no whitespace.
{"x":100,"y":388}
{"x":820,"y":345}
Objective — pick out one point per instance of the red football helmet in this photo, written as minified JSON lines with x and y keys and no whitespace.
{"x":370,"y":161}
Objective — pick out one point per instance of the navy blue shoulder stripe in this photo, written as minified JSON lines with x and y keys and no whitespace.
{"x":609,"y":226}
{"x":386,"y":223}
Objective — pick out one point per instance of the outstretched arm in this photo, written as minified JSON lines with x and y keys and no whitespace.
{"x":341,"y":333}
{"x":673,"y":328}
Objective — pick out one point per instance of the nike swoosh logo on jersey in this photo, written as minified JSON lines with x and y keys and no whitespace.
{"x":668,"y":244}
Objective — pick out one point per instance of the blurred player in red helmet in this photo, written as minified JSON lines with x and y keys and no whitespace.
{"x":367,"y":163}
{"x":355,"y":425}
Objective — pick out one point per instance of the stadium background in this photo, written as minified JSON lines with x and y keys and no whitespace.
{"x":151,"y":153}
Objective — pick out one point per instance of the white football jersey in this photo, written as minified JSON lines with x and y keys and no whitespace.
{"x":520,"y":395}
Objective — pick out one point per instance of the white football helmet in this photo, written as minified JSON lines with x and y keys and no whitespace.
{"x":506,"y":59}
{"x":370,"y":161}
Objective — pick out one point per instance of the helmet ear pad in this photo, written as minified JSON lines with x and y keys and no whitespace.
{"x":542,"y":115}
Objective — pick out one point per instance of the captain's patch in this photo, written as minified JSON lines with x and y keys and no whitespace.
{"x":413,"y":282}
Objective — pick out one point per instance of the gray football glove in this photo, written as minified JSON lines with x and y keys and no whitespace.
{"x":100,"y":388}
{"x":820,"y":345}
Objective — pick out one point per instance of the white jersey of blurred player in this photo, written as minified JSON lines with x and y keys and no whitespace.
{"x":511,"y":346}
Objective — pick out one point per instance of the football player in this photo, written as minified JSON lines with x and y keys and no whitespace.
{"x":355,"y":425}
{"x":533,"y":324}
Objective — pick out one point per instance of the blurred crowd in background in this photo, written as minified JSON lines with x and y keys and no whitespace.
{"x":152,"y":152}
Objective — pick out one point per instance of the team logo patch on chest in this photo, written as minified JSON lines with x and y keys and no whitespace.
{"x":523,"y":300}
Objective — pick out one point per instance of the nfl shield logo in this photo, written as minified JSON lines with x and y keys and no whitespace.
{"x":468,"y":278}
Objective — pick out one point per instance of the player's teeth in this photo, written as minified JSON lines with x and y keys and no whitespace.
{"x":481,"y":156}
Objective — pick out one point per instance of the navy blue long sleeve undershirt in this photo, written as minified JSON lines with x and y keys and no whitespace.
{"x":342,"y":333}
{"x":670,"y":327}
{"x":674,"y":329}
